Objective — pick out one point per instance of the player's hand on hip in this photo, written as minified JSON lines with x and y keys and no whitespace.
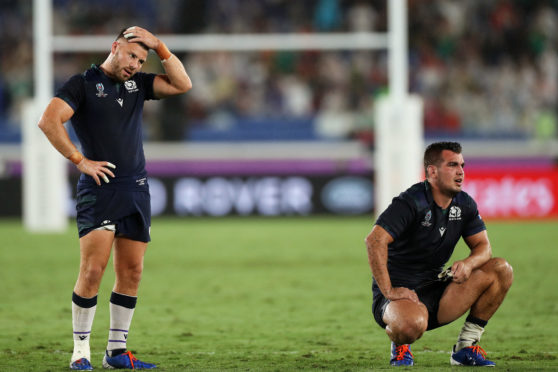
{"x":461,"y":271}
{"x":136,"y":34}
{"x":96,"y":169}
{"x":402,"y":293}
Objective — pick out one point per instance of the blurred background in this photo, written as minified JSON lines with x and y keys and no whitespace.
{"x":292,"y":132}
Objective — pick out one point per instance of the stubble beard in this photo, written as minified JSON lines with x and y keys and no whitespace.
{"x":117,"y":70}
{"x":448,"y":190}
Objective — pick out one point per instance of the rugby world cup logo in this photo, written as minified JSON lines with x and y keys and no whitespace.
{"x":100,"y":90}
{"x":427,"y":218}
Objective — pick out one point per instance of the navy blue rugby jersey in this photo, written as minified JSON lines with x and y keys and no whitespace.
{"x":424,"y":234}
{"x":108,"y":118}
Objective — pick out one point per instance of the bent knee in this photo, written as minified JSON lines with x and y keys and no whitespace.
{"x":407,"y":331}
{"x":500,"y":270}
{"x":503,"y":269}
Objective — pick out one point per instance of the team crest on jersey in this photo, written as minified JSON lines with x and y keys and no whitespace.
{"x":427,"y":218}
{"x":454,"y":213}
{"x":100,"y":90}
{"x":130,"y":86}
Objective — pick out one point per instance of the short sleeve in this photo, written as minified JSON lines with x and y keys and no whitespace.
{"x":397,"y":218}
{"x":147,"y":83}
{"x":475,"y":223}
{"x":72,"y":92}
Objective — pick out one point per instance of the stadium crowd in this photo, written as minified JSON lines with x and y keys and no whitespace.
{"x":485,"y":69}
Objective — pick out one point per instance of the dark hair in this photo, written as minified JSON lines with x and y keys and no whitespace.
{"x":121,"y":36}
{"x":433,"y":153}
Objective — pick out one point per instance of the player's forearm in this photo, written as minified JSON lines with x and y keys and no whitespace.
{"x":176,"y":80}
{"x":381,"y":274}
{"x":480,"y":254}
{"x":57,"y":136}
{"x":176,"y":74}
{"x":377,"y":258}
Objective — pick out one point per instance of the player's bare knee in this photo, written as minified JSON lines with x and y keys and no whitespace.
{"x":408,"y":331}
{"x":418,"y":326}
{"x":135,"y":276}
{"x":407,"y":336}
{"x":503,"y":270}
{"x":130,"y":274}
{"x":92,"y":275}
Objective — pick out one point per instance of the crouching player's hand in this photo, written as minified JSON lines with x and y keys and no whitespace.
{"x":461,"y":271}
{"x":402,"y":293}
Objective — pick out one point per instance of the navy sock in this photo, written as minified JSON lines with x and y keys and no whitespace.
{"x":477,"y":321}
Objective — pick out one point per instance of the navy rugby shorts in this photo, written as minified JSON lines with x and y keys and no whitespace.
{"x":124,"y":203}
{"x":429,"y":294}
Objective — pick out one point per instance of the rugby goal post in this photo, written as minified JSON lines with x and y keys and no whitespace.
{"x":45,"y":172}
{"x":399,"y":132}
{"x":398,"y":117}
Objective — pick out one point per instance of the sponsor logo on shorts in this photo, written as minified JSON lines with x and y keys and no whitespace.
{"x":141,"y":181}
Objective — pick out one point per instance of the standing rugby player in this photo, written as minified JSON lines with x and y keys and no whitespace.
{"x":105,"y":105}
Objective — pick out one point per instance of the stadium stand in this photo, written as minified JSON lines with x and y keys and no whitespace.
{"x":485,"y":69}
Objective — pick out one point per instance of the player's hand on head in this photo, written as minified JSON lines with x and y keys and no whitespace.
{"x":402,"y":293}
{"x":136,"y":34}
{"x":98,"y":170}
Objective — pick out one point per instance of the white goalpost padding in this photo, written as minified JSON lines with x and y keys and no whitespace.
{"x":399,"y":147}
{"x":44,"y":178}
{"x":44,"y":169}
{"x":399,"y":138}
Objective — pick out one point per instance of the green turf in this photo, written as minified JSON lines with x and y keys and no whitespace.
{"x":262,"y":294}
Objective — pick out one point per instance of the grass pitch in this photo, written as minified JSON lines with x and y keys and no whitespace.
{"x":262,"y":294}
